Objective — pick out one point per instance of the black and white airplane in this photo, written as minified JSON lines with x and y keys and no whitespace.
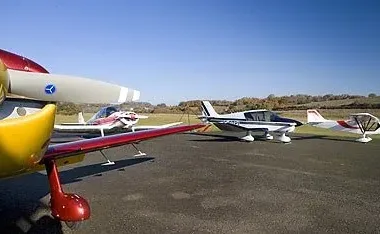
{"x":249,"y":121}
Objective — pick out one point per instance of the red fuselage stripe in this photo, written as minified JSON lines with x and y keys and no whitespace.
{"x":105,"y":120}
{"x":346,"y":125}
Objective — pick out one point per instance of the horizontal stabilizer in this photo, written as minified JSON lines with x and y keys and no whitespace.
{"x":63,"y":88}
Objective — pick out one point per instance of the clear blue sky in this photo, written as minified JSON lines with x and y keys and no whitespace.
{"x":175,"y":50}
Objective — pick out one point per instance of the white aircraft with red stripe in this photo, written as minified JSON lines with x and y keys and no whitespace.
{"x":359,"y":123}
{"x":112,"y":116}
{"x":108,"y":118}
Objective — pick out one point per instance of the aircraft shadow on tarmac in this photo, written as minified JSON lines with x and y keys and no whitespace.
{"x":324,"y":137}
{"x":215,"y":137}
{"x":21,"y":207}
{"x":221,"y":137}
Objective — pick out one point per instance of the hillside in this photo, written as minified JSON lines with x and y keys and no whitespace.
{"x":281,"y":103}
{"x":356,"y":103}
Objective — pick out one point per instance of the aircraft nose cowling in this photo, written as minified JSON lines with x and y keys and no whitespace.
{"x":298,"y":123}
{"x":287,"y":120}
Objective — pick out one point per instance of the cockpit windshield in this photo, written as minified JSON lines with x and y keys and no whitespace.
{"x":104,"y":112}
{"x":267,"y":116}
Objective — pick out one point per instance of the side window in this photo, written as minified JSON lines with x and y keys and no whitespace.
{"x":255,"y":116}
{"x":268,"y":116}
{"x":248,"y":116}
{"x":273,"y":117}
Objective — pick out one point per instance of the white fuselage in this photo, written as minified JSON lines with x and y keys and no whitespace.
{"x":250,"y":121}
{"x":116,"y":120}
{"x":253,"y":120}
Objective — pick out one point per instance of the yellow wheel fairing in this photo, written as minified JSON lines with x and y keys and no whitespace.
{"x":4,"y":81}
{"x":24,"y":140}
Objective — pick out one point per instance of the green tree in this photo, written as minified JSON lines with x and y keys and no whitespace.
{"x":372,"y":95}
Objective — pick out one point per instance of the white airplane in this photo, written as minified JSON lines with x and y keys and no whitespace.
{"x":359,"y":123}
{"x":108,"y":119}
{"x":249,"y":121}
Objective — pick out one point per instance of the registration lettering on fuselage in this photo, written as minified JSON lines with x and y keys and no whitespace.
{"x":234,"y":122}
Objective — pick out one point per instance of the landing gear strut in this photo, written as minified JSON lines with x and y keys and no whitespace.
{"x":70,"y":208}
{"x":109,"y":162}
{"x":267,"y":136}
{"x":139,"y":152}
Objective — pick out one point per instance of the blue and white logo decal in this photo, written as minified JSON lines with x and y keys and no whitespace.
{"x":50,"y":89}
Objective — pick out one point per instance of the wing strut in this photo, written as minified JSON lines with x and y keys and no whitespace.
{"x":109,"y":162}
{"x":359,"y":124}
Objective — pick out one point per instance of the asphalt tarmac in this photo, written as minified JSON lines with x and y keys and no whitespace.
{"x":212,"y":184}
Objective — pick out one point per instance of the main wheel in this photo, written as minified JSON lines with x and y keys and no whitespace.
{"x":74,"y":225}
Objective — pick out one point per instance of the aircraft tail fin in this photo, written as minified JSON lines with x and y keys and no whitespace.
{"x":314,"y":116}
{"x":208,"y":110}
{"x":81,"y":118}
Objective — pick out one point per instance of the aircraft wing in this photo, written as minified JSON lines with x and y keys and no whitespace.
{"x":80,"y":127}
{"x":365,"y":116}
{"x":366,"y":122}
{"x":147,"y":127}
{"x":72,"y":124}
{"x":95,"y":144}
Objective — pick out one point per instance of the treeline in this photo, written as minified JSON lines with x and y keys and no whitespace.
{"x":272,"y":102}
{"x":291,"y":102}
{"x":279,"y":101}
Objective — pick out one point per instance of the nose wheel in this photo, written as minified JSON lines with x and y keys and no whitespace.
{"x":283,"y":138}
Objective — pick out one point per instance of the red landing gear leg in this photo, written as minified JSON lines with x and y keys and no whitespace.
{"x":67,"y":207}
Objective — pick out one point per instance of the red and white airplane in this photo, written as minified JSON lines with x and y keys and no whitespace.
{"x":25,"y":138}
{"x":359,"y":123}
{"x":106,"y":119}
{"x":110,"y":119}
